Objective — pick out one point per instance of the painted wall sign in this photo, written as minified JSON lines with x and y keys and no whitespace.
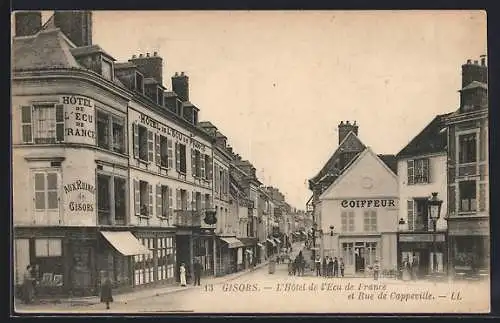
{"x":79,"y":123}
{"x":175,"y":134}
{"x":368,"y":203}
{"x":81,"y":201}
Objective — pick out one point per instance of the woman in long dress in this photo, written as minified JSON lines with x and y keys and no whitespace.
{"x":28,"y":291}
{"x":183,"y":274}
{"x":106,"y":290}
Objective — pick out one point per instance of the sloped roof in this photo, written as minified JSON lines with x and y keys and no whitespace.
{"x":391,"y":161}
{"x":432,"y":139}
{"x":120,"y":65}
{"x":46,"y":49}
{"x":475,"y":85}
{"x":330,"y":164}
{"x":84,"y":50}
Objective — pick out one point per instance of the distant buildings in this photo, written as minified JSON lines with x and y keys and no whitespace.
{"x":114,"y":172}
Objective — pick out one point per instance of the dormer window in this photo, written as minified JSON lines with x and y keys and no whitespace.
{"x":195,"y":117}
{"x":139,"y":82}
{"x":107,"y":69}
{"x":159,"y":96}
{"x":179,"y":107}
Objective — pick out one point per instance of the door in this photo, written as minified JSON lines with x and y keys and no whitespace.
{"x":359,"y":258}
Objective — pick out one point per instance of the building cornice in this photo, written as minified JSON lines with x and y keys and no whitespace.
{"x":467,"y":116}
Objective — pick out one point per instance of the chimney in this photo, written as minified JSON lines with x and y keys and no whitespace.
{"x":230,"y":149}
{"x":345,"y":128}
{"x":27,"y":22}
{"x":76,"y":25}
{"x":474,"y":72}
{"x":180,"y":85}
{"x":150,"y":66}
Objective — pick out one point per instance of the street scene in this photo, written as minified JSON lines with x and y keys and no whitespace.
{"x":265,"y":162}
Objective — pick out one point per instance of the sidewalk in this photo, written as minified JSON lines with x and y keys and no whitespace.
{"x":143,"y":293}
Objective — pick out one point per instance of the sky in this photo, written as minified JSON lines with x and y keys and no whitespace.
{"x":277,"y":84}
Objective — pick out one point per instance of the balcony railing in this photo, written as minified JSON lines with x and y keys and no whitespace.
{"x":187,"y":218}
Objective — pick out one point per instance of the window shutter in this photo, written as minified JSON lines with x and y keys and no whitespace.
{"x":159,"y":202}
{"x":26,"y":125}
{"x":157,"y":149}
{"x":135,"y":128}
{"x":411,"y":170}
{"x":170,"y":154}
{"x":179,"y":200}
{"x":193,"y":162}
{"x":151,"y":148}
{"x":193,"y":201}
{"x":59,"y":122}
{"x":170,"y":202}
{"x":410,"y":208}
{"x":137,"y":197}
{"x":202,"y":166}
{"x":210,"y":168}
{"x":216,"y":184}
{"x":426,"y":170}
{"x":177,"y":156}
{"x":150,"y":191}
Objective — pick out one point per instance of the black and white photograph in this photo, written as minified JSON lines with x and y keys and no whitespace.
{"x":231,"y":162}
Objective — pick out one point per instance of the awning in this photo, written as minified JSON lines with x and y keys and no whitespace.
{"x":249,"y":241}
{"x":232,"y":242}
{"x":260,"y":244}
{"x":272,"y":242}
{"x":249,"y":251}
{"x":277,"y":240}
{"x":304,"y":233}
{"x":125,"y":243}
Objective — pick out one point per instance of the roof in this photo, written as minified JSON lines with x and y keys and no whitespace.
{"x":46,"y":49}
{"x":123,"y":65}
{"x":170,"y":94}
{"x":85,"y":50}
{"x":475,"y":85}
{"x":432,"y":139}
{"x":206,"y":124}
{"x":150,"y":80}
{"x":391,"y":161}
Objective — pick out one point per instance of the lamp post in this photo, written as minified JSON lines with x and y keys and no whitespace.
{"x":434,"y":205}
{"x":399,"y":255}
{"x":331,"y":238}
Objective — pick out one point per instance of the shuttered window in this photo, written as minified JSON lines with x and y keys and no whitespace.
{"x":170,"y":153}
{"x":26,"y":126}
{"x":135,"y":130}
{"x":411,"y":214}
{"x":151,"y":148}
{"x":42,"y":123}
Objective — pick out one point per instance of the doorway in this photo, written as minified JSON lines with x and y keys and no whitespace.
{"x":359,"y":258}
{"x":183,"y":254}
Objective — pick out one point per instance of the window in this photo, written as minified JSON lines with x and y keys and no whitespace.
{"x":107,"y":69}
{"x":207,"y":201}
{"x":467,"y":148}
{"x":110,"y":132}
{"x":164,"y":154}
{"x":370,"y":221}
{"x":196,"y":164}
{"x":348,"y":253}
{"x":166,"y":258}
{"x":42,"y":123}
{"x":208,"y":167}
{"x":164,"y":201}
{"x":418,"y":171}
{"x":120,"y":200}
{"x":143,"y":143}
{"x":411,"y":219}
{"x":195,"y":117}
{"x":143,"y":198}
{"x":467,"y":191}
{"x":347,"y":221}
{"x":371,"y":252}
{"x":139,"y":83}
{"x":103,"y":199}
{"x":179,"y":107}
{"x":180,"y":158}
{"x":46,"y":191}
{"x":48,"y":248}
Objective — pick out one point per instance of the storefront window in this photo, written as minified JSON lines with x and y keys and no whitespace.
{"x":348,"y":253}
{"x":103,"y":199}
{"x":48,"y":260}
{"x":120,"y":200}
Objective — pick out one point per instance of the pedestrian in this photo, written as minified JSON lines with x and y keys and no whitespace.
{"x":182,"y":274}
{"x":28,"y":293}
{"x":342,"y":267}
{"x":414,"y":268}
{"x":330,"y":267}
{"x":324,"y":266}
{"x":335,"y":267}
{"x":197,"y":272}
{"x":376,"y":269}
{"x":318,"y":266}
{"x":106,"y":289}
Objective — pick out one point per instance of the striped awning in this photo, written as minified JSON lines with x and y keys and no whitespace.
{"x":271,"y":242}
{"x":277,"y":240}
{"x":232,"y":242}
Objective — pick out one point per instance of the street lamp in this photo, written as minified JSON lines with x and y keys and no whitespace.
{"x":434,"y":206}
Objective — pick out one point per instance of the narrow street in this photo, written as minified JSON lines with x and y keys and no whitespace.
{"x":259,"y":291}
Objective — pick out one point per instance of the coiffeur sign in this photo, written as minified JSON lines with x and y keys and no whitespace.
{"x":368,"y":203}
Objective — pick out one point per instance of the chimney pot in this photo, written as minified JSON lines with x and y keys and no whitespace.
{"x":483,"y":60}
{"x":134,"y":56}
{"x":140,"y":55}
{"x":347,"y":122}
{"x":475,"y":62}
{"x":469,"y":61}
{"x":176,"y":74}
{"x":182,"y":73}
{"x":147,"y":54}
{"x":155,"y":54}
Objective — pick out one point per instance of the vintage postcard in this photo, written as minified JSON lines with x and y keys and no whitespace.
{"x":250,"y":162}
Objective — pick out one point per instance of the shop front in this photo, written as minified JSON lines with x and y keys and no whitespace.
{"x":230,"y":250}
{"x":250,"y":250}
{"x":204,"y":251}
{"x":359,"y":253}
{"x":425,"y":251}
{"x":469,"y":242}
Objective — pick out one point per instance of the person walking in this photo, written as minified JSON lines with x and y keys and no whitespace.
{"x":197,"y":272}
{"x":324,"y":266}
{"x":318,"y":266}
{"x":342,"y":267}
{"x":335,"y":267}
{"x":182,"y":274}
{"x":28,"y":292}
{"x":330,"y":267}
{"x":376,"y":269}
{"x":106,"y":290}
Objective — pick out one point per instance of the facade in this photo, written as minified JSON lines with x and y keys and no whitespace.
{"x":468,"y":177}
{"x":421,"y":171}
{"x":355,"y":201}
